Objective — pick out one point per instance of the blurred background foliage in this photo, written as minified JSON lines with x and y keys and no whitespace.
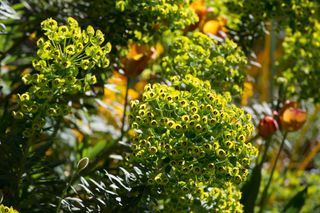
{"x":265,"y":53}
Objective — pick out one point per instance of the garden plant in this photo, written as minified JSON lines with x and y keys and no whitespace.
{"x":159,"y":106}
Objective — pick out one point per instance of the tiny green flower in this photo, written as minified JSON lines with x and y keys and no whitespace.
{"x":70,"y":49}
{"x":18,"y":114}
{"x":40,"y":42}
{"x":66,"y":63}
{"x":5,"y":209}
{"x":63,"y":32}
{"x":107,"y":47}
{"x":85,"y":64}
{"x":98,"y":39}
{"x":24,"y":97}
{"x":49,"y":24}
{"x":27,"y":133}
{"x":90,"y":31}
{"x":79,"y":47}
{"x":72,"y":22}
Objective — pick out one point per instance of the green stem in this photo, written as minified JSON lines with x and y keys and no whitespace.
{"x":265,"y":190}
{"x":65,"y":192}
{"x":273,"y":46}
{"x":265,"y":152}
{"x":125,"y":109}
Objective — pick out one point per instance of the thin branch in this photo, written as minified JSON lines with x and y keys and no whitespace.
{"x":265,"y":190}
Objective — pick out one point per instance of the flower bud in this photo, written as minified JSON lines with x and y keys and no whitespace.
{"x":292,"y":119}
{"x":83,"y":163}
{"x":267,"y":126}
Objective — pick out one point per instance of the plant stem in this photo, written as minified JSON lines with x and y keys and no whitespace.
{"x":273,"y":46}
{"x":125,"y":109}
{"x":265,"y":190}
{"x":265,"y":151}
{"x":64,"y":192}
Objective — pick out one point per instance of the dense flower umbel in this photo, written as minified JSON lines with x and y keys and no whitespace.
{"x":191,"y":140}
{"x":144,"y":18}
{"x":206,"y":58}
{"x":66,"y":58}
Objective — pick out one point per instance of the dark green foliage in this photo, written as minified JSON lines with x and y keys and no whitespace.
{"x":105,"y":192}
{"x":296,"y":203}
{"x":250,"y":189}
{"x":28,"y":179}
{"x":6,"y":12}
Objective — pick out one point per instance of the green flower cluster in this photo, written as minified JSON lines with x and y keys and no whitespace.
{"x":5,"y":209}
{"x":295,"y":13}
{"x":206,"y":59}
{"x":251,"y":18}
{"x":224,"y":198}
{"x":152,"y":16}
{"x":66,"y":60}
{"x":191,"y":140}
{"x":301,"y":70}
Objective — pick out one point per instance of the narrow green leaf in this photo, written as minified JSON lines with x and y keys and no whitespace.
{"x":250,"y":190}
{"x":297,"y":201}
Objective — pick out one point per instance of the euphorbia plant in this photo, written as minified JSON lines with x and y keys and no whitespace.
{"x":184,"y":144}
{"x":191,"y":143}
{"x":67,"y":59}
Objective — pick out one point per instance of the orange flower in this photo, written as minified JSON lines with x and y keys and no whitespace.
{"x":214,"y":26}
{"x":199,"y":7}
{"x":137,"y":59}
{"x":267,"y":127}
{"x":114,"y":97}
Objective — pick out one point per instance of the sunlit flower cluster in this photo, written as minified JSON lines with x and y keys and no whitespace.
{"x":206,"y":58}
{"x":67,"y":57}
{"x":188,"y":135}
{"x":153,"y":17}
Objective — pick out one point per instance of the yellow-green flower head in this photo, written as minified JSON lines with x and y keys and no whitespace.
{"x":72,"y":22}
{"x":150,"y":18}
{"x":66,"y":43}
{"x":287,"y":13}
{"x":189,"y":132}
{"x":49,"y":25}
{"x":206,"y":58}
{"x":5,"y":209}
{"x":224,"y":198}
{"x":67,"y":57}
{"x":299,"y":62}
